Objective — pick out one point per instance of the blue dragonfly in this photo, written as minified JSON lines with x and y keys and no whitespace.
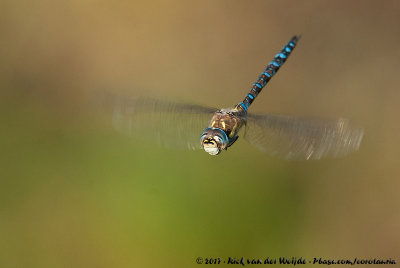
{"x":188,"y":126}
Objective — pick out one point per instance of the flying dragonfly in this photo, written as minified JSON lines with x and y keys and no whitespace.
{"x":188,"y":126}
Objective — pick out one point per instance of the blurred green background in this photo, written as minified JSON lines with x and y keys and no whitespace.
{"x":75,"y":193}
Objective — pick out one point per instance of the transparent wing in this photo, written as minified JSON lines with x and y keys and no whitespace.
{"x":170,"y":124}
{"x":301,"y":137}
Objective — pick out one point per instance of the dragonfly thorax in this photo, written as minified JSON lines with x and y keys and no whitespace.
{"x":222,"y":131}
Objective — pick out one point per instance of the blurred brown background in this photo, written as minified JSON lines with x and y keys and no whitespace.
{"x":73,"y":193}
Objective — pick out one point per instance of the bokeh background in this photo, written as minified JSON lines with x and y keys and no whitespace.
{"x":75,"y":193}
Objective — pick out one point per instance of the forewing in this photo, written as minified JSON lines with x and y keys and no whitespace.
{"x":299,"y":138}
{"x":171,"y":124}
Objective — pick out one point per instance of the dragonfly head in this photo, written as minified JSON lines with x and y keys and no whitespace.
{"x":214,"y":140}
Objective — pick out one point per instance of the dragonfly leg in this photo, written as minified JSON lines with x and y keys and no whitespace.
{"x":232,"y":141}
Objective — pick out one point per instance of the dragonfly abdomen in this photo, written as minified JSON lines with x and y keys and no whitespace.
{"x":268,"y":73}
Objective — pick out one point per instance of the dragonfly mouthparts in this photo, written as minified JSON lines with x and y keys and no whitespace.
{"x":212,"y":150}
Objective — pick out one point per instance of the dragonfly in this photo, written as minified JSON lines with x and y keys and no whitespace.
{"x":189,"y":126}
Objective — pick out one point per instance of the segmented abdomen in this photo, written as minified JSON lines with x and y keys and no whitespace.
{"x":269,"y":71}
